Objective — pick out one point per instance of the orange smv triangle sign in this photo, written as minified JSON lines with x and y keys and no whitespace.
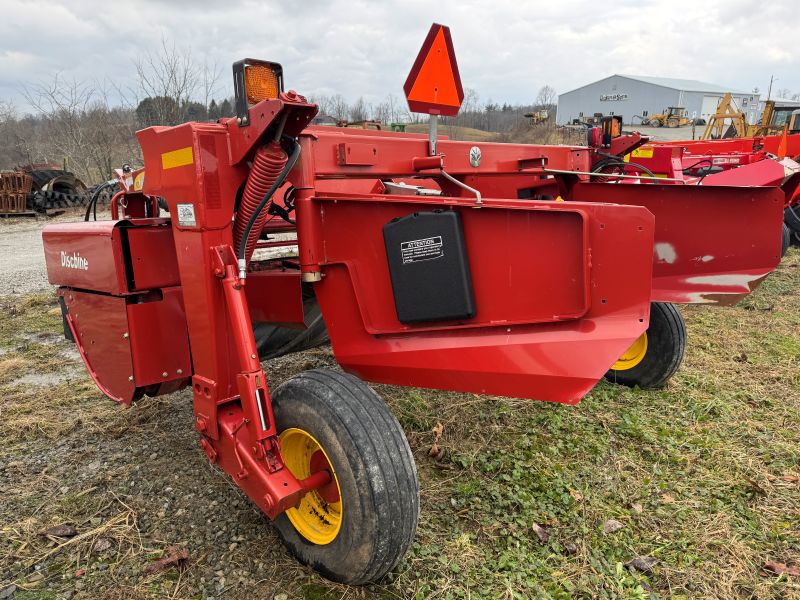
{"x":434,"y":85}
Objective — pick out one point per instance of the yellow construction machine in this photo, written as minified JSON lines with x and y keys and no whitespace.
{"x":730,"y":122}
{"x":673,"y":116}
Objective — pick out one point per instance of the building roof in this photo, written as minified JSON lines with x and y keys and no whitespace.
{"x":781,"y":101}
{"x":685,"y":85}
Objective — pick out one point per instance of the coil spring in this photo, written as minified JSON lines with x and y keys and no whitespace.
{"x":268,"y":163}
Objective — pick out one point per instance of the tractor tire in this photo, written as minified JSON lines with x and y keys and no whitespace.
{"x":357,"y":530}
{"x":673,"y":123}
{"x":791,"y":218}
{"x":273,"y":340}
{"x":654,"y":123}
{"x":656,"y":355}
{"x":786,"y":239}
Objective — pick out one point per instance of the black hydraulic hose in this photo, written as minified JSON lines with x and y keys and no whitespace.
{"x":699,"y":162}
{"x":93,"y":200}
{"x":264,"y":201}
{"x":619,"y":163}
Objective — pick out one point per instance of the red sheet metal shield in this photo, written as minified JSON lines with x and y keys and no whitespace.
{"x":434,"y":85}
{"x":713,"y":244}
{"x":554,"y":311}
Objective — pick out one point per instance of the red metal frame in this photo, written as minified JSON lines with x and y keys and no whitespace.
{"x":562,"y":289}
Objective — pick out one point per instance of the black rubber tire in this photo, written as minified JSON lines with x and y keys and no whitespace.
{"x":786,"y":239}
{"x":654,"y":123}
{"x":273,"y":340}
{"x":666,"y":345}
{"x":374,"y":467}
{"x":791,"y":218}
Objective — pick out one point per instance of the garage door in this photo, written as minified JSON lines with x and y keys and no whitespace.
{"x":709,"y":108}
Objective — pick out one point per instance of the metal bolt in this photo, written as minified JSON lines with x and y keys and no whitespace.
{"x":179,"y":371}
{"x":164,"y":374}
{"x":125,"y":335}
{"x":130,"y":377}
{"x":252,"y":356}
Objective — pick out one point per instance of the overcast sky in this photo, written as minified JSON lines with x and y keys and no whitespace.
{"x":506,"y":49}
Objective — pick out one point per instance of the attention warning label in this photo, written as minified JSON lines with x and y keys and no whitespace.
{"x":424,"y":249}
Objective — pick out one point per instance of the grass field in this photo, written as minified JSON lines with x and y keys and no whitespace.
{"x":702,"y":477}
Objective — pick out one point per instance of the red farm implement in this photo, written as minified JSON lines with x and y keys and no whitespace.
{"x":713,"y":156}
{"x":435,"y":263}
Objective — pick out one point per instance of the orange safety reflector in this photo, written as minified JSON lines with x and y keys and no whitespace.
{"x":434,"y":85}
{"x":261,"y":83}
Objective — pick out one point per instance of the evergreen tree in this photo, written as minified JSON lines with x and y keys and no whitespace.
{"x":213,"y":111}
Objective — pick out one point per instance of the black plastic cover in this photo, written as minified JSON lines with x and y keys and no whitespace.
{"x":429,"y":268}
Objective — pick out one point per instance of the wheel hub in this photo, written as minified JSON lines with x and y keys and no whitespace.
{"x":318,"y":517}
{"x":633,"y":355}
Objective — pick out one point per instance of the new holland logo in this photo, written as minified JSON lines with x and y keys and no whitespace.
{"x":74,"y":261}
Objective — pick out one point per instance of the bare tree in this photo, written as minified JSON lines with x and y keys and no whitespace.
{"x":360,"y":110}
{"x":339,"y":109}
{"x":381,"y":112}
{"x":169,"y":77}
{"x":61,"y":103}
{"x":209,"y":81}
{"x":323,"y":102}
{"x":547,"y":97}
{"x":7,"y":112}
{"x":78,"y":127}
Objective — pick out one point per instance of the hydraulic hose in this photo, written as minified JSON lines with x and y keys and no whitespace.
{"x":270,"y":169}
{"x":92,"y":204}
{"x":620,"y":163}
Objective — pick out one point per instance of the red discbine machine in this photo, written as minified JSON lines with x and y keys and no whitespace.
{"x":435,"y":263}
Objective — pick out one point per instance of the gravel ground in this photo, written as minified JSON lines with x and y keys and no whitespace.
{"x":24,"y":270}
{"x":23,"y":257}
{"x":21,"y":247}
{"x":667,"y":134}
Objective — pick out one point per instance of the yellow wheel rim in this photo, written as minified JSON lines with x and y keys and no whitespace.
{"x":633,"y":355}
{"x":318,"y":517}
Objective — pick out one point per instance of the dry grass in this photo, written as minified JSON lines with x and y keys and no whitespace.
{"x":703,"y":476}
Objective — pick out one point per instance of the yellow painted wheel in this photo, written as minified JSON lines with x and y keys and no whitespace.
{"x":318,"y":518}
{"x":633,"y":355}
{"x":335,"y":422}
{"x":656,"y":355}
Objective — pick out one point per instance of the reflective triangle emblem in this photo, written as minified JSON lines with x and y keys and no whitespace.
{"x":434,"y":85}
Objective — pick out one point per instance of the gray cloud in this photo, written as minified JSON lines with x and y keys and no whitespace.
{"x":506,"y":49}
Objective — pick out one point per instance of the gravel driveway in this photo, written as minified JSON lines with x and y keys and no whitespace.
{"x":22,"y":254}
{"x":23,"y":258}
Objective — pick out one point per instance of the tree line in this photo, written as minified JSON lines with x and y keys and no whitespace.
{"x":90,"y":126}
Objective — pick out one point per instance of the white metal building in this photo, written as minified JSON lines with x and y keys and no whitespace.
{"x":635,"y":97}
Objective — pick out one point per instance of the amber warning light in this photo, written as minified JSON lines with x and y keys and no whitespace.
{"x":434,"y":85}
{"x":254,"y":81}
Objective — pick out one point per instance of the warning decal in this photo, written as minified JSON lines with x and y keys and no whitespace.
{"x":186,"y":215}
{"x":424,"y":249}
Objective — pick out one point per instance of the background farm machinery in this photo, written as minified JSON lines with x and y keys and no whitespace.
{"x":38,"y":188}
{"x":505,"y":269}
{"x":699,"y":158}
